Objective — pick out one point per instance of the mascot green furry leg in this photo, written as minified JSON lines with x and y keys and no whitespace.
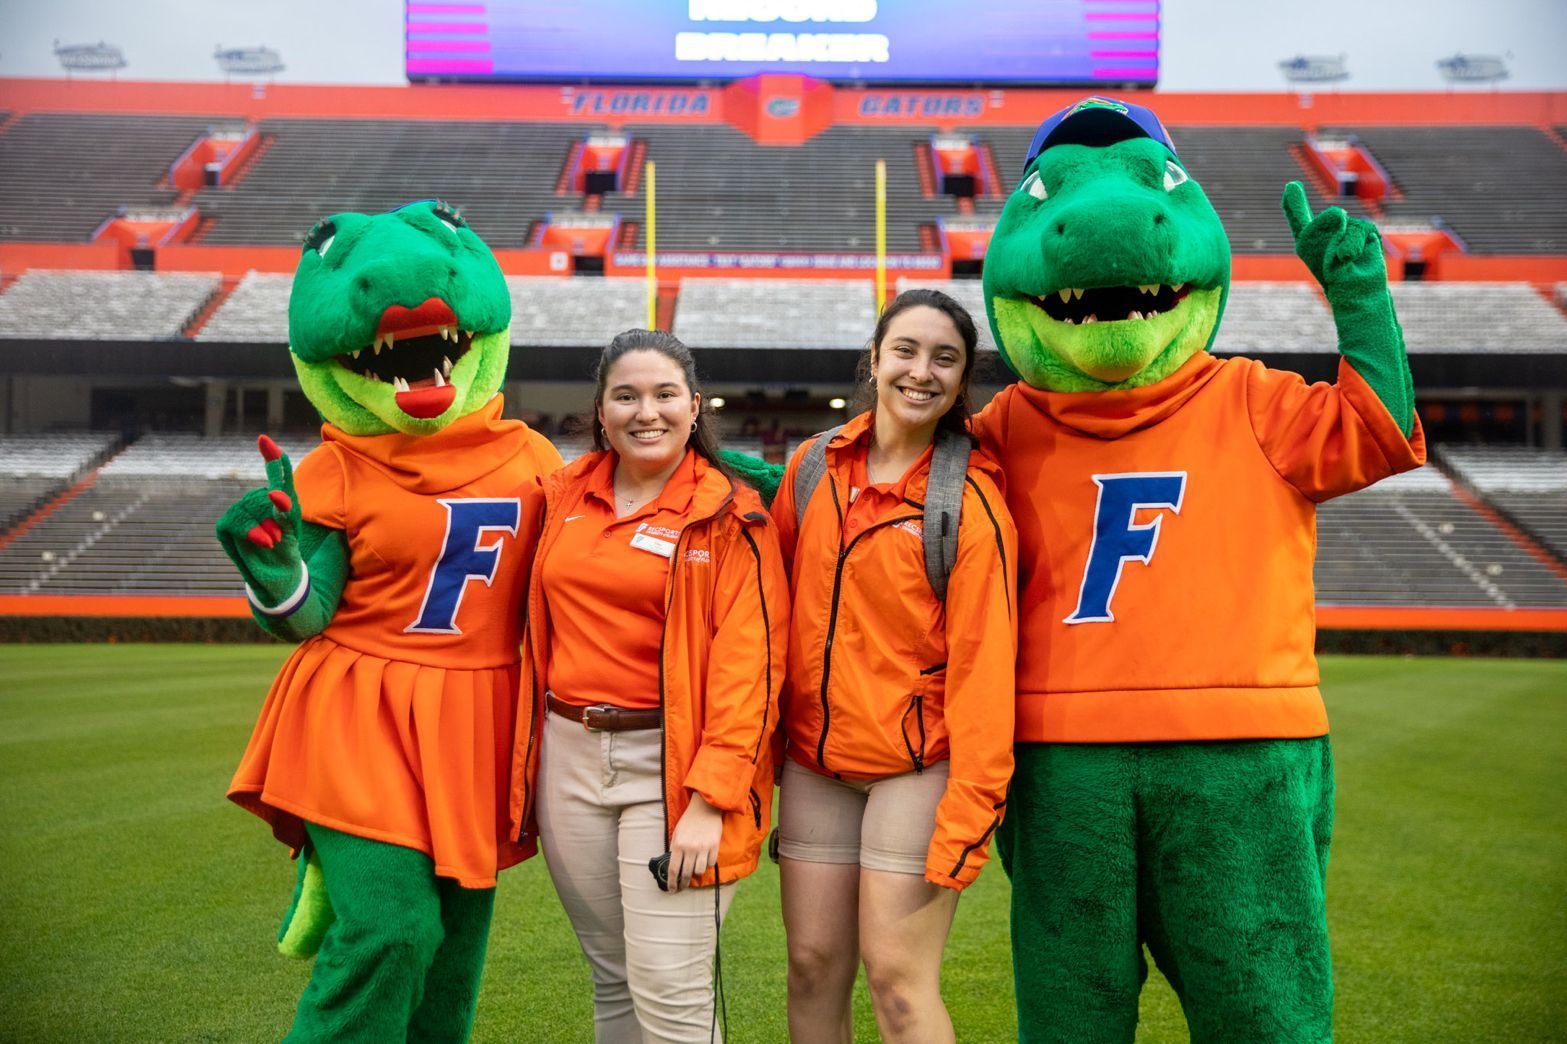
{"x":396,"y":557}
{"x":402,"y":957}
{"x":1110,"y":847}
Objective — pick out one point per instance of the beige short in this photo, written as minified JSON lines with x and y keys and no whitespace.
{"x":881,"y":824}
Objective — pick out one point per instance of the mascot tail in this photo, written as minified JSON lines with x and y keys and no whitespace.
{"x":309,"y":912}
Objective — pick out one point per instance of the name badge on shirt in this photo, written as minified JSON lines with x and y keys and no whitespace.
{"x":662,"y":548}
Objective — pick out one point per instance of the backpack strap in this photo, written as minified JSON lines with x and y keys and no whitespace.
{"x":944,"y":506}
{"x":813,"y":465}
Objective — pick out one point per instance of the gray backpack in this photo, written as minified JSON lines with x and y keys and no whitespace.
{"x":943,"y":498}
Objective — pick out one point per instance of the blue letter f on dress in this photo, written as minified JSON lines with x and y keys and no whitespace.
{"x":1118,"y":540}
{"x":463,"y":559}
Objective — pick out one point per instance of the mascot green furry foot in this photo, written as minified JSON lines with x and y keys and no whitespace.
{"x":1174,"y":782}
{"x":397,"y":557}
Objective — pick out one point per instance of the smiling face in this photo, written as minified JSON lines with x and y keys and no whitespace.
{"x":647,"y":410}
{"x":398,"y":321}
{"x":919,"y":368}
{"x":1108,"y":268}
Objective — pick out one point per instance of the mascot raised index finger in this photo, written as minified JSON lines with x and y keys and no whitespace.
{"x":398,"y":557}
{"x":1174,"y":781}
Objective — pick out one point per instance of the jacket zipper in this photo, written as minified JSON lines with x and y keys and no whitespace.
{"x":663,"y":639}
{"x":832,"y":616}
{"x":533,"y":694}
{"x":756,"y":807}
{"x":767,"y":641}
{"x":917,"y":705}
{"x":983,"y":838}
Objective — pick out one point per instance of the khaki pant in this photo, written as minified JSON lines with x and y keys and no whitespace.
{"x":601,"y":818}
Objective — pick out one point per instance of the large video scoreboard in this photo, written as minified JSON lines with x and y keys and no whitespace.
{"x":1047,"y":42}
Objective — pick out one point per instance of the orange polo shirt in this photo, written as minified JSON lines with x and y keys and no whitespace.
{"x":606,"y":579}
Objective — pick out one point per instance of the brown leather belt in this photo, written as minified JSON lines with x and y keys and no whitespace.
{"x":604,"y":717}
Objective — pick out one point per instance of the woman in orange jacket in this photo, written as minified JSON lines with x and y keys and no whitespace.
{"x":657,"y":623}
{"x":898,"y":705}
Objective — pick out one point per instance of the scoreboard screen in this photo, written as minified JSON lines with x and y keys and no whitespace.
{"x":1045,"y":42}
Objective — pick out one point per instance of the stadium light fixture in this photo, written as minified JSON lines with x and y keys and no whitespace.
{"x":98,"y":57}
{"x":1314,"y":68}
{"x":717,"y":402}
{"x":248,"y":61}
{"x":1473,"y":68}
{"x":837,"y":404}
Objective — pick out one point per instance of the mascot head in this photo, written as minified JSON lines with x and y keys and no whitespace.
{"x":1108,"y":267}
{"x":398,"y":321}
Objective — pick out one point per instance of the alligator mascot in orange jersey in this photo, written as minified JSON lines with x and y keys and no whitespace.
{"x":1174,"y":781}
{"x":397,"y":555}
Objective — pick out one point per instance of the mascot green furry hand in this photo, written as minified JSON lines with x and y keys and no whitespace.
{"x":397,"y":556}
{"x":1174,"y":782}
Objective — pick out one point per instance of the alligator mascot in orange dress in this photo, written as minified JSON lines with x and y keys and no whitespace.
{"x":397,"y":556}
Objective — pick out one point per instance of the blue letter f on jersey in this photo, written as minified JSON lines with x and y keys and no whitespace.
{"x":463,"y":559}
{"x":1117,"y":540}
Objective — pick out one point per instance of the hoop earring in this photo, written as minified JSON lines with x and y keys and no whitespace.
{"x":603,"y":434}
{"x":693,"y":427}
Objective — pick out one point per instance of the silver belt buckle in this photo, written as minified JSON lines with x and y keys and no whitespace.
{"x":595,"y":709}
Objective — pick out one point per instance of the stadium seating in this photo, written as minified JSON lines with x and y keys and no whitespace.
{"x":63,"y":456}
{"x":34,"y":468}
{"x":1410,"y":541}
{"x":145,"y":525}
{"x":1499,"y":188}
{"x":1478,"y":317}
{"x":127,"y":537}
{"x":184,"y":456}
{"x":257,"y":311}
{"x":501,"y":175}
{"x":1275,"y":317}
{"x":1526,"y":484}
{"x":776,"y":313}
{"x":557,"y":311}
{"x":125,"y":306}
{"x":62,"y":175}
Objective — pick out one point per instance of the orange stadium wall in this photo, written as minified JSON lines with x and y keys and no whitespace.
{"x":946,"y":109}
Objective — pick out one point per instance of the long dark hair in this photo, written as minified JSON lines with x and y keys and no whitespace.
{"x":959,"y":413}
{"x":705,"y":438}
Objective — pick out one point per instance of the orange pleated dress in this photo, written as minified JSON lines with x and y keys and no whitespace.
{"x":397,"y":722}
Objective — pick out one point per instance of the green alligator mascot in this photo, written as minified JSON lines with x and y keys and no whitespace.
{"x":397,"y":556}
{"x":1174,"y":780}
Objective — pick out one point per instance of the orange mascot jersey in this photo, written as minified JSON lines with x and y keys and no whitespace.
{"x":397,"y":722}
{"x":1170,"y":594}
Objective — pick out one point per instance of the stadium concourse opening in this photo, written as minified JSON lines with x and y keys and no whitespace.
{"x":148,"y":232}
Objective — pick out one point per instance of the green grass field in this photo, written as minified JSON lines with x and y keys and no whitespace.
{"x":139,"y":905}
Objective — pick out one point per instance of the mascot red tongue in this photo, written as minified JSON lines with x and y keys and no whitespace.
{"x":429,"y":400}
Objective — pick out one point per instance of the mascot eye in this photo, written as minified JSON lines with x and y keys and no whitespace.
{"x":1173,"y":176}
{"x":320,"y":237}
{"x":449,"y":216}
{"x":1036,"y":187}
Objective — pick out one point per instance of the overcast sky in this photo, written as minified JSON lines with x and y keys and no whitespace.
{"x":1220,"y":45}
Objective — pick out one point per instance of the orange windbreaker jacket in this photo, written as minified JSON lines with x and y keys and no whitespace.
{"x":720,"y":670}
{"x":878,"y":684}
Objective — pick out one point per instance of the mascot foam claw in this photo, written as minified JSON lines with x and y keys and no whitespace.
{"x":397,"y":556}
{"x":1174,"y":783}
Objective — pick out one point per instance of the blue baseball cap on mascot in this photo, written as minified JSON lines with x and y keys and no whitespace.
{"x":1098,"y":121}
